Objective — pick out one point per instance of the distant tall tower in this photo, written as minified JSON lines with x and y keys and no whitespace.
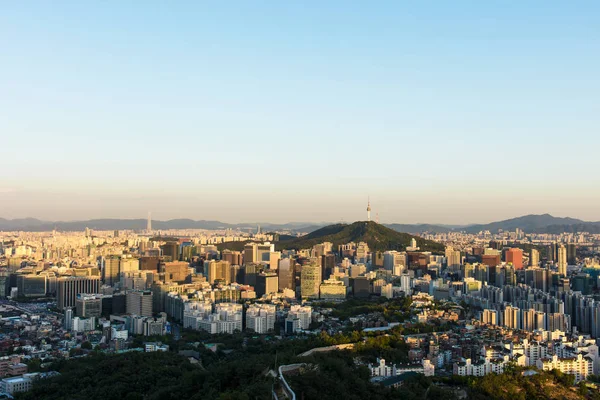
{"x":562,"y":260}
{"x":369,"y":210}
{"x":149,"y":226}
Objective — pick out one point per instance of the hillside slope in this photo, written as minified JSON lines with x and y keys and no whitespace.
{"x":378,"y":237}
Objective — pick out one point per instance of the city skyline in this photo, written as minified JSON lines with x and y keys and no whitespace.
{"x":461,"y":113}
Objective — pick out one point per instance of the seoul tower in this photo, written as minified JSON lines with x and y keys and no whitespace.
{"x":369,"y":210}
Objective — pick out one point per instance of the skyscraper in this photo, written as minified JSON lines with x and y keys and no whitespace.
{"x":70,"y":287}
{"x":149,"y":225}
{"x":515,"y":256}
{"x":534,"y":258}
{"x":217,"y":270}
{"x":571,"y":254}
{"x":310,"y":279}
{"x":139,"y":302}
{"x":171,"y":250}
{"x":562,"y":260}
{"x":266,"y":283}
{"x":285,"y":270}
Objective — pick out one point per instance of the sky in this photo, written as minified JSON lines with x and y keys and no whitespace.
{"x":438,"y":111}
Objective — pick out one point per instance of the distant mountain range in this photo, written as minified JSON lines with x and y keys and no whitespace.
{"x":33,"y":225}
{"x":544,"y":223}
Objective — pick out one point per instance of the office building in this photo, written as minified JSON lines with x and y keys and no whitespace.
{"x":267,"y":282}
{"x":217,"y":271}
{"x":514,"y":256}
{"x":88,"y":305}
{"x":32,"y":285}
{"x":139,"y":302}
{"x":69,"y":287}
{"x":571,"y":254}
{"x":178,"y":271}
{"x":110,"y":271}
{"x":285,"y":270}
{"x":232,"y":257}
{"x":170,"y":251}
{"x":310,"y":280}
{"x":149,"y":263}
{"x":332,"y":289}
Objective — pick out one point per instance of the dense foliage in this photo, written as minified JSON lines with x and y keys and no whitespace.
{"x":377,"y":236}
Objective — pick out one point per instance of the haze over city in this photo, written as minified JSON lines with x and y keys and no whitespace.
{"x":283,"y":200}
{"x":459,"y":113}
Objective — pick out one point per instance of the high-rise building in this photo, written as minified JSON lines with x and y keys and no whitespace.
{"x":263,"y":251}
{"x":562,"y":260}
{"x":512,"y":317}
{"x":69,"y":287}
{"x":149,"y":223}
{"x":88,"y":305}
{"x":177,"y":271}
{"x":139,"y":302}
{"x":110,"y":272}
{"x":217,"y":270}
{"x":68,"y":322}
{"x":261,"y":318}
{"x":310,"y":279}
{"x":31,"y":285}
{"x":233,"y":257}
{"x":489,"y":317}
{"x":453,"y":258}
{"x":285,"y":270}
{"x":534,"y":258}
{"x":327,"y":265}
{"x":515,"y":257}
{"x":266,"y":283}
{"x":274,"y":258}
{"x":170,"y":251}
{"x":129,"y":264}
{"x":571,"y":254}
{"x":332,"y":289}
{"x":250,"y":253}
{"x":149,"y":263}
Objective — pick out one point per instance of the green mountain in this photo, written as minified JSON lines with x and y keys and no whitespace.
{"x":378,"y":237}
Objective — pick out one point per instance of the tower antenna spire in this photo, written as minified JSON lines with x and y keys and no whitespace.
{"x":369,"y":208}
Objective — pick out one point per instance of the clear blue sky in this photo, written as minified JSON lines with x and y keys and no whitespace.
{"x":441,"y":111}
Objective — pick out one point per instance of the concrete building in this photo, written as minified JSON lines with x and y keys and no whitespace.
{"x":88,"y":305}
{"x":332,"y":289}
{"x":514,"y":256}
{"x":267,"y":282}
{"x":581,"y":366}
{"x":260,"y":318}
{"x":310,"y":280}
{"x":139,"y":302}
{"x":70,"y":287}
{"x":562,"y":260}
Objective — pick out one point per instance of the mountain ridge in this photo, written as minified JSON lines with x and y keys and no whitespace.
{"x":533,"y":223}
{"x":377,"y":236}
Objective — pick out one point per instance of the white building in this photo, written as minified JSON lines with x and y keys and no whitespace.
{"x":480,"y":367}
{"x":261,"y":318}
{"x":226,"y":318}
{"x":581,"y":366}
{"x":381,"y":369}
{"x":299,"y":318}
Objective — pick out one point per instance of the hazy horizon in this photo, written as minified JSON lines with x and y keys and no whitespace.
{"x":454,"y":113}
{"x":282,"y":222}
